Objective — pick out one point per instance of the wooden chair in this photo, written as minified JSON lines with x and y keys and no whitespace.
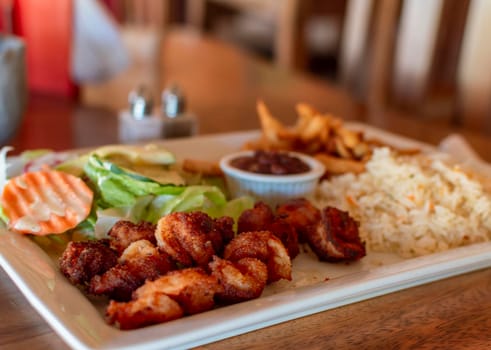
{"x":144,"y":13}
{"x":427,"y":57}
{"x":288,"y":48}
{"x":474,"y":80}
{"x":289,"y":19}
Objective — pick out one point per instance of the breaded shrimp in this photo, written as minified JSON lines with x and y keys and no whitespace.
{"x":178,"y":293}
{"x":139,"y":262}
{"x":192,"y":288}
{"x":336,"y":238}
{"x":155,"y":308}
{"x":255,"y":219}
{"x":262,"y":218}
{"x":81,"y":261}
{"x":138,"y":250}
{"x":265,"y":246}
{"x":301,"y":214}
{"x":123,"y":233}
{"x":192,"y":239}
{"x":241,"y":280}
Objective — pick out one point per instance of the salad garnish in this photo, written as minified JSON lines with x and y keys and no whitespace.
{"x":127,"y":182}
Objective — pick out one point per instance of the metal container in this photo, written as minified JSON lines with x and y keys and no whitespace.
{"x":173,"y":102}
{"x":177,"y":121}
{"x":141,"y":103}
{"x":13,"y":86}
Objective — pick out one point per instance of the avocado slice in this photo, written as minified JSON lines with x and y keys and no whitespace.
{"x":137,"y":154}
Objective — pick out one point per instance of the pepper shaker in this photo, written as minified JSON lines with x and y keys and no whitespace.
{"x":139,"y":122}
{"x":177,"y":121}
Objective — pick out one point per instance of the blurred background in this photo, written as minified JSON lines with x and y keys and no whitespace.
{"x":427,"y":57}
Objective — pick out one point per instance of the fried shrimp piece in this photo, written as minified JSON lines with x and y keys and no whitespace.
{"x":222,"y":232}
{"x":255,"y":219}
{"x":178,"y":293}
{"x":138,"y":250}
{"x":287,"y":235}
{"x":262,"y":218}
{"x":139,"y":262}
{"x":241,"y":280}
{"x":192,"y":288}
{"x":184,"y":236}
{"x":192,"y":239}
{"x":81,"y":261}
{"x":299,"y":213}
{"x":123,"y":233}
{"x":156,"y":308}
{"x":336,"y":238}
{"x":265,"y":246}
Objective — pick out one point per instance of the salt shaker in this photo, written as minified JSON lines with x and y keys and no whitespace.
{"x":177,"y":121}
{"x":139,"y":122}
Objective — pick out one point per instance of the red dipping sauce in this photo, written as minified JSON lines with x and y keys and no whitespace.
{"x":271,"y":163}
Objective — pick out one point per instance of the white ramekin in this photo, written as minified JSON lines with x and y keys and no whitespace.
{"x":272,"y":189}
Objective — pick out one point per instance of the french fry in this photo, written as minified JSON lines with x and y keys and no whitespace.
{"x":407,"y":151}
{"x":312,"y":147}
{"x":350,"y":138}
{"x":323,"y":135}
{"x":305,"y":111}
{"x":305,"y":114}
{"x":201,"y":167}
{"x":330,"y":146}
{"x":361,"y":150}
{"x":258,"y":144}
{"x":341,"y":148}
{"x":337,"y":166}
{"x":272,"y":129}
{"x":314,"y":128}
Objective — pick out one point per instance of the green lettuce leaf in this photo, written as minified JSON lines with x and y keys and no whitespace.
{"x":74,"y":166}
{"x":117,"y":187}
{"x":35,"y":153}
{"x":192,"y":198}
{"x":208,"y":199}
{"x":132,"y":196}
{"x":232,"y":208}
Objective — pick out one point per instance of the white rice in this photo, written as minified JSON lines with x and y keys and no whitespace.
{"x":412,"y":205}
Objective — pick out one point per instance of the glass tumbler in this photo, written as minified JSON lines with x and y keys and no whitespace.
{"x":13,"y":86}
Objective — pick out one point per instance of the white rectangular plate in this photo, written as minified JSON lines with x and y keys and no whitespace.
{"x":316,"y":286}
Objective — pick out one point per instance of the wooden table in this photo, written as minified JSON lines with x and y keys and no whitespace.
{"x":222,"y":85}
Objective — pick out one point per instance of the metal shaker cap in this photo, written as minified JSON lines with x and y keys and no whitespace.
{"x":173,"y":102}
{"x":141,"y":103}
